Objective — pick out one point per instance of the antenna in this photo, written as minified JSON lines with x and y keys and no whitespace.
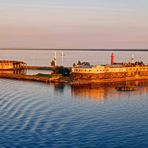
{"x":62,"y":56}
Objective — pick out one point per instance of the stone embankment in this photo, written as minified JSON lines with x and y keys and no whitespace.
{"x":101,"y":81}
{"x":66,"y":80}
{"x":55,"y":79}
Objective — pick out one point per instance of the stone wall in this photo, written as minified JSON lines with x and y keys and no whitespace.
{"x":107,"y":69}
{"x":109,"y":75}
{"x":12,"y":65}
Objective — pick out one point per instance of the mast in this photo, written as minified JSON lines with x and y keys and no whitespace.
{"x":62,"y":56}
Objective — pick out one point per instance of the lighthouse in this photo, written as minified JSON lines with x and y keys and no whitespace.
{"x":112,"y":59}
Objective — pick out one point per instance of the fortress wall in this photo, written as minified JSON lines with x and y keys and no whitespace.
{"x":103,"y":69}
{"x":91,"y":76}
{"x":109,"y":75}
{"x":12,"y":65}
{"x":6,"y":66}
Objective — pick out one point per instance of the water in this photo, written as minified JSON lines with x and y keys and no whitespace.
{"x":41,"y":115}
{"x":43,"y":58}
{"x":28,"y":72}
{"x":34,"y":72}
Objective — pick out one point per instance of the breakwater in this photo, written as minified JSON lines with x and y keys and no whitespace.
{"x":55,"y":79}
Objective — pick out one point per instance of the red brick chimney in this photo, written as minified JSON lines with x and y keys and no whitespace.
{"x":112,"y":59}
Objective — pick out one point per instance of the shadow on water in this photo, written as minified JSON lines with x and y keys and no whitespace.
{"x":97,"y":92}
{"x":59,"y":88}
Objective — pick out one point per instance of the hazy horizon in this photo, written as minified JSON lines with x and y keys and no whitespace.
{"x":74,"y":24}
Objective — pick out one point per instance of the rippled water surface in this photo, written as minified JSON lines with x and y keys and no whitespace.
{"x":40,"y":115}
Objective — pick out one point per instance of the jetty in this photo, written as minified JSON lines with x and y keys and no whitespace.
{"x":37,"y":78}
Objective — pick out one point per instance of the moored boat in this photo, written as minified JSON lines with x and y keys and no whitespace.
{"x":126,"y":88}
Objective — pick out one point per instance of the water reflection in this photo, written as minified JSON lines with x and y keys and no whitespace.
{"x":97,"y":92}
{"x":59,"y":88}
{"x":22,"y":71}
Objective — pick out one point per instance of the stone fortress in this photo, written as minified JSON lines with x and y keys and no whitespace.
{"x":112,"y":72}
{"x":12,"y":65}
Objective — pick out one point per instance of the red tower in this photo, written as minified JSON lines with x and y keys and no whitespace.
{"x":112,"y":59}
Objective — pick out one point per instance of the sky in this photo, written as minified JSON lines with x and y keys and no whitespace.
{"x":74,"y":24}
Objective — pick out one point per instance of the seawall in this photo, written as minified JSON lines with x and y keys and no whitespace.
{"x":32,"y":78}
{"x":102,"y":81}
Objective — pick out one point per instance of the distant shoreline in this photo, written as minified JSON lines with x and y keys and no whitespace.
{"x":45,"y":49}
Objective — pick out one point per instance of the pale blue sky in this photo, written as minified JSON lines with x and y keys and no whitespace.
{"x":74,"y":24}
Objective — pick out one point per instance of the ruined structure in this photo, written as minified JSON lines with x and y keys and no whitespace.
{"x":12,"y":65}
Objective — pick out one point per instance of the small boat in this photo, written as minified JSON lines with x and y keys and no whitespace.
{"x":126,"y":88}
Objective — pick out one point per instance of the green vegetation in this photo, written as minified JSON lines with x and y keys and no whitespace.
{"x":61,"y":73}
{"x":62,"y":70}
{"x":54,"y":77}
{"x":139,"y":63}
{"x":44,"y":75}
{"x":81,"y":63}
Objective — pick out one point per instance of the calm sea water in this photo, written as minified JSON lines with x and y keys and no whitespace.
{"x":34,"y":72}
{"x":41,"y":115}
